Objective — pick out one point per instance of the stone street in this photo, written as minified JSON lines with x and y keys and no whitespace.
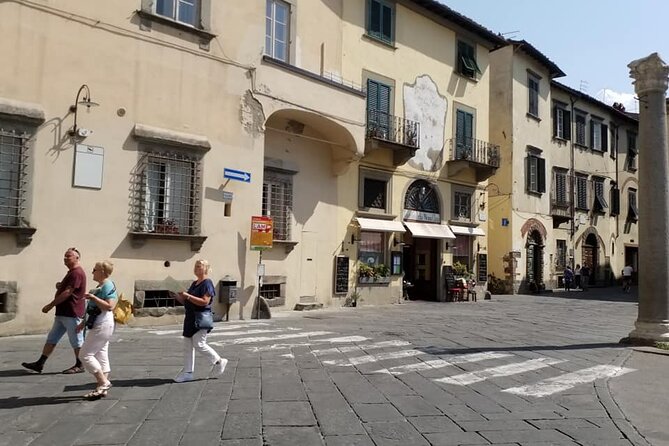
{"x":516,"y":370}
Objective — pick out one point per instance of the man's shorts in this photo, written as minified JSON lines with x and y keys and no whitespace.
{"x":66,"y":324}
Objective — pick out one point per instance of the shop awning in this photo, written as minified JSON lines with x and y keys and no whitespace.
{"x":466,"y":230}
{"x":377,"y":224}
{"x":429,"y":230}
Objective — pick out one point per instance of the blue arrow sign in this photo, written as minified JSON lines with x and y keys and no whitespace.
{"x":238,"y":175}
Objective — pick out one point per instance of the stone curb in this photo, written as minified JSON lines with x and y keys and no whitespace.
{"x":615,"y":412}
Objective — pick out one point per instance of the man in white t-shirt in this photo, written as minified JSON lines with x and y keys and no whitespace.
{"x":627,"y":278}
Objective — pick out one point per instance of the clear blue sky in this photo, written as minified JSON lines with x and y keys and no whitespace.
{"x":592,"y":41}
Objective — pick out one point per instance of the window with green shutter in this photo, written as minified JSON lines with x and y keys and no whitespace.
{"x":615,"y":199}
{"x":599,"y":203}
{"x":561,"y":123}
{"x":580,"y":129}
{"x":533,"y":92}
{"x":466,"y":62}
{"x":378,"y":108}
{"x":582,"y":192}
{"x":464,"y":134}
{"x":380,"y":20}
{"x":599,"y":134}
{"x":560,"y":197}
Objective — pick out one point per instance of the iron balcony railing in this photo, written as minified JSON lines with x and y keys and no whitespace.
{"x":393,"y":129}
{"x":475,"y":150}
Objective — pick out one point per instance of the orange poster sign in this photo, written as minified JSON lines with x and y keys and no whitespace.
{"x":262,"y":231}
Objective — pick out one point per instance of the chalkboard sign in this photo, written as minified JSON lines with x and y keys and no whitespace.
{"x":449,"y":277}
{"x":483,"y":268}
{"x":341,"y":274}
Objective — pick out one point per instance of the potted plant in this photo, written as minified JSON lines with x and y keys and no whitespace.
{"x":353,"y":299}
{"x":366,"y":273}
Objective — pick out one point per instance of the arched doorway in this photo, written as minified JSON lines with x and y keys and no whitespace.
{"x":421,"y":254}
{"x":589,"y":256}
{"x":535,"y":260}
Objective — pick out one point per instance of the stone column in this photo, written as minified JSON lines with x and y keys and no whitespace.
{"x":651,"y":77}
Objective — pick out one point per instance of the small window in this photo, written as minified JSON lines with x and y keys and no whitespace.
{"x":599,"y":204}
{"x":374,"y":194}
{"x":182,"y":11}
{"x":582,"y":192}
{"x":13,"y":162}
{"x":466,"y":62}
{"x":380,"y":20}
{"x":168,"y":186}
{"x":580,"y":129}
{"x":277,"y":29}
{"x":631,"y":151}
{"x":632,"y":212}
{"x":561,"y":123}
{"x":599,"y":133}
{"x":536,"y":174}
{"x":560,"y":194}
{"x":277,"y":202}
{"x":533,"y":91}
{"x":462,"y":204}
{"x":372,"y":248}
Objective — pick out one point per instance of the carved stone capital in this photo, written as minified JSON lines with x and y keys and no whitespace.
{"x":650,"y":73}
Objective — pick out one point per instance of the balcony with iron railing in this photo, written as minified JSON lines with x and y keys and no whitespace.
{"x":400,"y":135}
{"x":470,"y":153}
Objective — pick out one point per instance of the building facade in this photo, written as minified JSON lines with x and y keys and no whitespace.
{"x":567,"y":195}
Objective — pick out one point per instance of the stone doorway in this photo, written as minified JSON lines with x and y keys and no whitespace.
{"x":589,"y":257}
{"x":535,"y":261}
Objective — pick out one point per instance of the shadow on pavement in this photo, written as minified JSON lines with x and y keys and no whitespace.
{"x":15,"y":402}
{"x":609,"y":294}
{"x":432,"y":350}
{"x":146,"y":382}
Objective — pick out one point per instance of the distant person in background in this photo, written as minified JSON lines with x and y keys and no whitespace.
{"x":568,"y":278}
{"x":577,"y":276}
{"x":628,"y":270}
{"x":585,"y":277}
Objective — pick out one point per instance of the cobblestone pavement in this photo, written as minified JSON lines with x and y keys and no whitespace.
{"x":517,"y":370}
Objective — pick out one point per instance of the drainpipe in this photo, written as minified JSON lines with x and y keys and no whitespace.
{"x":572,"y":181}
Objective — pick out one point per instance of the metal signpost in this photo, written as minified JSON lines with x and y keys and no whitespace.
{"x":262,"y":236}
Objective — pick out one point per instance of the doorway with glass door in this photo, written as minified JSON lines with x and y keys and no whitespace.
{"x":420,"y":267}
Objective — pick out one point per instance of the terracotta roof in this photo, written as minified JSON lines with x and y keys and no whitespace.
{"x":622,"y":114}
{"x":531,"y":51}
{"x":465,"y":22}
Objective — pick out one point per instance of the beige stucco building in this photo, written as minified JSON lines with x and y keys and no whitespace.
{"x":149,"y":132}
{"x":566,"y":192}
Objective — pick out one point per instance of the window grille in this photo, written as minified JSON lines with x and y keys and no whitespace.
{"x":270,"y":291}
{"x":277,"y":202}
{"x":462,"y":205}
{"x":165,"y":194}
{"x":13,"y":176}
{"x":159,"y":299}
{"x":183,"y":11}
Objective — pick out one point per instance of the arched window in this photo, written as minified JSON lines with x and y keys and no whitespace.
{"x":422,"y":197}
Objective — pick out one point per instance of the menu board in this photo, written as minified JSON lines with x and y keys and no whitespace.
{"x":449,"y":277}
{"x":482,"y":268}
{"x":341,"y":274}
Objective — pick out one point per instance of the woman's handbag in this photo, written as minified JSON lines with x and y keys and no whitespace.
{"x":204,"y":320}
{"x":122,"y":310}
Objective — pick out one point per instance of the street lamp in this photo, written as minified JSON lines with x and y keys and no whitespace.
{"x":85,"y":101}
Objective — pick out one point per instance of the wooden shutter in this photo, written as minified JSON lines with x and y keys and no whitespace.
{"x":592,"y":134}
{"x":605,"y":137}
{"x":372,"y":94}
{"x":528,"y":172}
{"x":374,"y":21}
{"x":541,"y":175}
{"x":384,"y":99}
{"x":387,"y":23}
{"x":555,"y":117}
{"x":566,"y":122}
{"x":615,"y":201}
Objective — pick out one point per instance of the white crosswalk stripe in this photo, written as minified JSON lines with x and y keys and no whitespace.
{"x":357,"y":360}
{"x":243,"y":332}
{"x":285,"y":346}
{"x":216,"y":329}
{"x":382,"y":344}
{"x":567,"y":381}
{"x":257,"y":339}
{"x":440,"y":363}
{"x":494,"y":372}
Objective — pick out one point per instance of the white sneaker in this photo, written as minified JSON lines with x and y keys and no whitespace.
{"x":219,"y":367}
{"x":184,"y":377}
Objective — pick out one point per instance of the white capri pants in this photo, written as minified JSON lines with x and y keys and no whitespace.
{"x":198,"y":342}
{"x":94,"y":354}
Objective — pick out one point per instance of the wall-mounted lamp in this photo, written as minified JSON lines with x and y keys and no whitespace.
{"x":85,"y":101}
{"x":353,"y":239}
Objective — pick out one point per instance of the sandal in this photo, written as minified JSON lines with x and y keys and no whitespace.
{"x":96,"y":394}
{"x":72,"y":370}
